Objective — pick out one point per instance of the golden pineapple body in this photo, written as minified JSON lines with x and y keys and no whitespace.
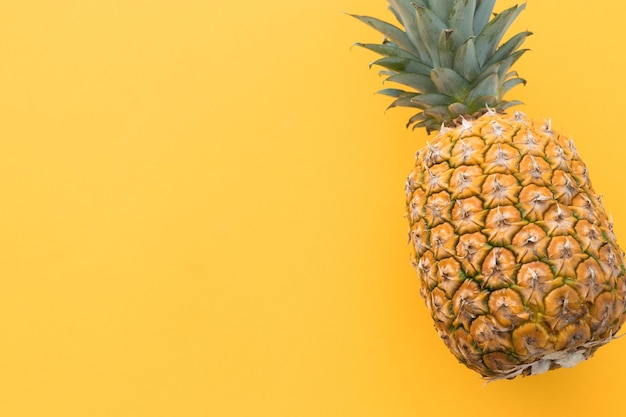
{"x":517,"y":258}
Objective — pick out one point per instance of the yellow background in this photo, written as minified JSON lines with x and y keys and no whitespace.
{"x":202,"y":212}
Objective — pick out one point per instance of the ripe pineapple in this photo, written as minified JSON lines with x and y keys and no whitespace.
{"x":517,"y":259}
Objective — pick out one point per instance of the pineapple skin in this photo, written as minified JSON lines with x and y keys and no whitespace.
{"x":518,"y":262}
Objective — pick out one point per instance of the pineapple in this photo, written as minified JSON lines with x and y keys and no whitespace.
{"x":518,"y":262}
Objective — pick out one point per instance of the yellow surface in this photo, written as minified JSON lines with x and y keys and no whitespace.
{"x":202,"y":212}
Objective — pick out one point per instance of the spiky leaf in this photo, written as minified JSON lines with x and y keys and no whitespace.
{"x":405,"y":12}
{"x":391,"y":32}
{"x":466,"y":60}
{"x":416,"y":81}
{"x":490,"y":37}
{"x":401,"y":64}
{"x":430,"y":28}
{"x":462,"y":20}
{"x":483,"y":12}
{"x":450,"y":57}
{"x":449,"y":82}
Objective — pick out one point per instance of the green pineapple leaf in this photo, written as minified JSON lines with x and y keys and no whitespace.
{"x":488,"y":40}
{"x":484,"y":9}
{"x":401,"y":64}
{"x":449,"y":82}
{"x":391,"y":32}
{"x":466,"y":60}
{"x":462,"y":20}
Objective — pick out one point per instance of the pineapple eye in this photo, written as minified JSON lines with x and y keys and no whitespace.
{"x":498,"y":130}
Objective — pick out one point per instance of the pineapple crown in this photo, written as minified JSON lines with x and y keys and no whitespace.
{"x":449,"y":56}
